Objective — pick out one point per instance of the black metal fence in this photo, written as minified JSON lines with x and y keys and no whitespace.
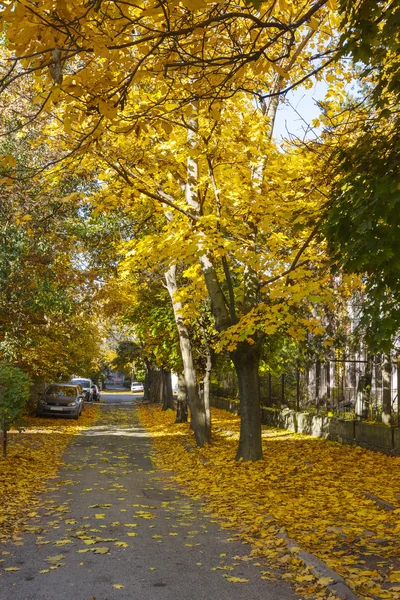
{"x":353,"y":388}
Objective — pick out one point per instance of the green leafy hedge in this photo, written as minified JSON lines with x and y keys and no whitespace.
{"x":14,"y":394}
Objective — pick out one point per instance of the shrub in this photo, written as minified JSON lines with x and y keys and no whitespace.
{"x":14,"y":394}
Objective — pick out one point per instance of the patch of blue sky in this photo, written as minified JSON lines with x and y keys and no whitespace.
{"x":296,"y":112}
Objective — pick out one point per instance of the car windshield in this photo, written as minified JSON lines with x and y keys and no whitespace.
{"x":136,"y":383}
{"x":85,"y":383}
{"x":61,"y":390}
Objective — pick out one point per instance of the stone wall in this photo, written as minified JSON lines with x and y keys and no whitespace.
{"x":346,"y":431}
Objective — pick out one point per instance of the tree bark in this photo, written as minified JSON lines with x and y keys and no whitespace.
{"x":206,"y":384}
{"x":181,"y":401}
{"x":168,"y":398}
{"x":246,"y":359}
{"x":4,"y":439}
{"x":156,"y":386}
{"x":317,"y":384}
{"x":147,"y":381}
{"x":196,"y":404}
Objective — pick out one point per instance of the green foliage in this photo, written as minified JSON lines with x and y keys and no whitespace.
{"x":129,"y":355}
{"x":14,"y":394}
{"x":49,"y":256}
{"x":363,"y":224}
{"x":371,"y":35}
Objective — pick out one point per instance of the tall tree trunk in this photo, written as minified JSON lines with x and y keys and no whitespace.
{"x":147,"y":381}
{"x":387,"y":391}
{"x":168,"y":399}
{"x":206,"y":384}
{"x":196,"y":404}
{"x":181,"y":401}
{"x":317,"y":383}
{"x":156,"y":386}
{"x":246,"y":359}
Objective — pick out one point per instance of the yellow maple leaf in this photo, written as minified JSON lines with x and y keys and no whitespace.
{"x":101,"y":550}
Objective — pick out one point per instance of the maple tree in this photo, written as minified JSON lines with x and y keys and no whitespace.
{"x":141,"y":304}
{"x":131,"y":85}
{"x":247,"y":240}
{"x":139,"y":307}
{"x":96,"y":53}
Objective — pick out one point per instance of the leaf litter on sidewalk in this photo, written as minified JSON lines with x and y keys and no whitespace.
{"x":310,"y":489}
{"x":34,"y":457}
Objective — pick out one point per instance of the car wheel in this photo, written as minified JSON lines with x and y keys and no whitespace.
{"x":76,"y":417}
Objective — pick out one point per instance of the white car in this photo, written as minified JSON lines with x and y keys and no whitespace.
{"x":137,"y":387}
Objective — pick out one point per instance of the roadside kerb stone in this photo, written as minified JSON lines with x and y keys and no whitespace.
{"x":382,"y":503}
{"x":318,"y":568}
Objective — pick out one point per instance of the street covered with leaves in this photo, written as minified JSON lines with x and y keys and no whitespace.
{"x":307,"y":494}
{"x":112,"y":524}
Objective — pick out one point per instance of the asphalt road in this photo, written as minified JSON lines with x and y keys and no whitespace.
{"x":119,"y":396}
{"x":83,"y":545}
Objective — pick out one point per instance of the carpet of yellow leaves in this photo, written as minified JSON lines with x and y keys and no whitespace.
{"x":34,"y":456}
{"x":311,"y":489}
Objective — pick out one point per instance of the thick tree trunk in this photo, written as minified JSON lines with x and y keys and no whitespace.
{"x":168,"y":399}
{"x":246,"y":359}
{"x":196,"y":404}
{"x":387,"y":391}
{"x":156,"y":386}
{"x":181,"y":401}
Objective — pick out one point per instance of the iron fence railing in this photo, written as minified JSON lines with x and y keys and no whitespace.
{"x":352,"y":388}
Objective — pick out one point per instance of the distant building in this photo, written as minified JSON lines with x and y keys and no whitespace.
{"x":114,"y":379}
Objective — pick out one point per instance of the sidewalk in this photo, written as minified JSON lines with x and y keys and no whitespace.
{"x":114,"y":528}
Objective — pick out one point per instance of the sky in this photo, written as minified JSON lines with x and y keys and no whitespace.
{"x":297,"y":109}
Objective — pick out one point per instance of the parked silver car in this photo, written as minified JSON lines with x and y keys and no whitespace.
{"x":62,"y":399}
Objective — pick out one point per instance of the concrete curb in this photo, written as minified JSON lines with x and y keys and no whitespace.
{"x":320,"y":569}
